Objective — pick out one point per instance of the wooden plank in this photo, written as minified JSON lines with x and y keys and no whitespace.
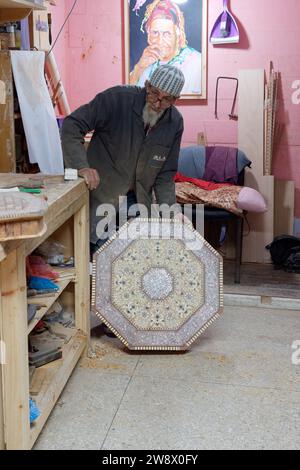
{"x":39,"y":376}
{"x":266,"y":127}
{"x":268,"y":130}
{"x":2,"y":352}
{"x":251,"y":141}
{"x":7,"y":135}
{"x":59,"y":96}
{"x":285,"y":207}
{"x":270,"y":121}
{"x":201,"y":139}
{"x":51,"y":391}
{"x":16,"y":371}
{"x":48,"y":301}
{"x":261,"y":225}
{"x":22,"y":230}
{"x":2,"y":442}
{"x":81,"y":253}
{"x":251,"y":116}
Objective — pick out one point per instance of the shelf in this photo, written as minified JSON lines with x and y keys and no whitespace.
{"x":58,"y":373}
{"x":67,"y":222}
{"x":21,"y":4}
{"x":16,"y":10}
{"x":67,"y":275}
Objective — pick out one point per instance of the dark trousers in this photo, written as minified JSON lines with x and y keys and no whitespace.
{"x":131,"y":200}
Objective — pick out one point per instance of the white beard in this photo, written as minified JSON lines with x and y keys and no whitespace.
{"x":151,"y":117}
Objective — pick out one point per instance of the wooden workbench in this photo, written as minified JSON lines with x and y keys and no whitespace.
{"x":67,"y":222}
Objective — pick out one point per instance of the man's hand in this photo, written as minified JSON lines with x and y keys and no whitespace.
{"x":149,"y":57}
{"x":91,"y":177}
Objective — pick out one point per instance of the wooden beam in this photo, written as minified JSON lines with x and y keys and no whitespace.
{"x":261,"y":225}
{"x":201,"y":139}
{"x":2,"y":352}
{"x":16,"y":371}
{"x":285,"y":206}
{"x":81,"y":253}
{"x":251,"y":141}
{"x":7,"y":135}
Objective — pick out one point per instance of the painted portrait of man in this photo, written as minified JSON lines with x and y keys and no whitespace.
{"x":168,"y":32}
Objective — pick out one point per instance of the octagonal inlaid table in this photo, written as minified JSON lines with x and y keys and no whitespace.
{"x":157,"y":284}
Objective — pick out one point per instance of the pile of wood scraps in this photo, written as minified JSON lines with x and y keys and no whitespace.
{"x":271,"y":94}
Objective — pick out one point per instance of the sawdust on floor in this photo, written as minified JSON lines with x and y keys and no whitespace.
{"x":217,"y":357}
{"x":95,"y":360}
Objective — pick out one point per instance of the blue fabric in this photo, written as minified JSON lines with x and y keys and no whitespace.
{"x":192,"y":161}
{"x":242,"y":161}
{"x":34,"y":412}
{"x":40,"y":283}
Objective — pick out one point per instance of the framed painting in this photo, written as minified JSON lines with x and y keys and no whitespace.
{"x":167,"y":32}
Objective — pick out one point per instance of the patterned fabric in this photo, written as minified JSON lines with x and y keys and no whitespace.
{"x":157,"y":284}
{"x":225,"y":197}
{"x":169,"y":79}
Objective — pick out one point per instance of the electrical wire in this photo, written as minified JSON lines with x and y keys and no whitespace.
{"x":60,"y":31}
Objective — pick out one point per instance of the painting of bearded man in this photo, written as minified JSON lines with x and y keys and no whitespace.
{"x":170,"y":32}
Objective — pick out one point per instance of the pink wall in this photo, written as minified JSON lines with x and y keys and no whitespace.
{"x":90,"y":57}
{"x":60,"y":49}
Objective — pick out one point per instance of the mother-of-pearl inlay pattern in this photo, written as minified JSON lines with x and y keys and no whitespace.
{"x":157,"y":284}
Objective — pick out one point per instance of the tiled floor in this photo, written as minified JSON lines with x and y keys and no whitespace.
{"x":263,"y":280}
{"x":236,"y":389}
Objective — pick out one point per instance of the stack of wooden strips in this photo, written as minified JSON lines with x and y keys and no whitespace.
{"x":270,"y":119}
{"x":55,"y":86}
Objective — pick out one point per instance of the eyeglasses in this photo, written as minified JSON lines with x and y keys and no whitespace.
{"x":155,"y":95}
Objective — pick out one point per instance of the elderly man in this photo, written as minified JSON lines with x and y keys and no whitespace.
{"x":165,"y":27}
{"x":135,"y":146}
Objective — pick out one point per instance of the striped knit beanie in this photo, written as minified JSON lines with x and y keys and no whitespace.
{"x":169,"y":79}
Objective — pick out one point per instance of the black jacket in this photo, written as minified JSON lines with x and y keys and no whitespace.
{"x":119,"y":149}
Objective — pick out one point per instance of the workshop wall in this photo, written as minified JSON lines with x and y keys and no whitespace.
{"x":90,"y":59}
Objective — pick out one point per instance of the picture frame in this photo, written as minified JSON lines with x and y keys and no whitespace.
{"x":166,"y":31}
